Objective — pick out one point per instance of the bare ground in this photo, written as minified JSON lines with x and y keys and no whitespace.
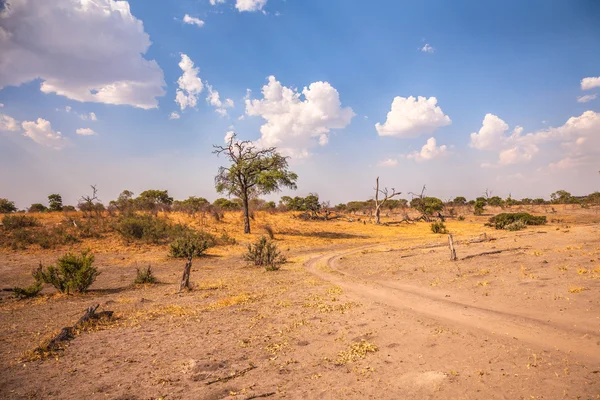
{"x":380,"y":317}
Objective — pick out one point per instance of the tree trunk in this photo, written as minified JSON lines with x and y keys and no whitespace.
{"x":185,"y":279}
{"x":377,"y":205}
{"x":452,"y":249}
{"x":246,"y":215}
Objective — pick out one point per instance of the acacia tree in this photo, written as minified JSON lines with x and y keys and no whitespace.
{"x":253,"y":172}
{"x":386,"y":196}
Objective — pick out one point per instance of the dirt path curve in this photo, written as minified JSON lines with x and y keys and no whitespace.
{"x":583,"y":344}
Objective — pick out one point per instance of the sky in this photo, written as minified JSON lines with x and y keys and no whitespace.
{"x":462,"y":97}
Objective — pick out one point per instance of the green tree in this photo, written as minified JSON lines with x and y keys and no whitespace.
{"x":7,"y":207}
{"x":191,"y":205}
{"x":496,"y":201}
{"x":253,"y":172}
{"x":37,"y":207}
{"x":459,"y":201}
{"x":562,"y":197}
{"x":55,"y":202}
{"x":154,"y":200}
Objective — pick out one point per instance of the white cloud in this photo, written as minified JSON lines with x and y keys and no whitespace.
{"x":250,"y":5}
{"x":214,"y":99}
{"x":41,"y":132}
{"x":427,"y":48}
{"x":59,"y":42}
{"x":390,"y":162}
{"x":85,"y":132}
{"x":215,"y":2}
{"x":190,"y":85}
{"x":590,"y":83}
{"x":1,"y":105}
{"x":517,"y":154}
{"x":193,"y":21}
{"x":294,"y":124}
{"x":411,"y":117}
{"x":174,"y":115}
{"x":228,"y":136}
{"x":68,"y":109}
{"x":8,"y":123}
{"x":586,"y":98}
{"x":491,"y":135}
{"x":91,"y":117}
{"x":429,"y":151}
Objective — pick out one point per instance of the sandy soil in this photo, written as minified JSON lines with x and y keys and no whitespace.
{"x":385,"y":315}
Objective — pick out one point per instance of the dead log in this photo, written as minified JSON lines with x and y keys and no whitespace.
{"x":452,"y":249}
{"x":232,"y":376}
{"x":487,"y":253}
{"x":185,"y":279}
{"x":258,"y":396}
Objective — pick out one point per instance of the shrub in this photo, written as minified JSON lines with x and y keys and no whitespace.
{"x":461,"y":218}
{"x":71,"y":273}
{"x":31,"y":290}
{"x":478,"y":207}
{"x":226,"y":240}
{"x":264,"y":253}
{"x":144,"y":276}
{"x":438,"y":227}
{"x":144,"y":227}
{"x":501,"y":221}
{"x":516,"y":226}
{"x":37,"y":207}
{"x":191,"y":245}
{"x":270,"y":232}
{"x":19,"y":221}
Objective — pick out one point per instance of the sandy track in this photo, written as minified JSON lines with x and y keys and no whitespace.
{"x":505,"y":323}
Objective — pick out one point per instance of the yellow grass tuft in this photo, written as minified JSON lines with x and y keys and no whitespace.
{"x":357,"y":351}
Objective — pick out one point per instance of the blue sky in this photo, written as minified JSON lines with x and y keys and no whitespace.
{"x":497,"y":95}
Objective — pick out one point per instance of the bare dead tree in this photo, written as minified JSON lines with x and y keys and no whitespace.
{"x":86,"y":203}
{"x":386,"y":196}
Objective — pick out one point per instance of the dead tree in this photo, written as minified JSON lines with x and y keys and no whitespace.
{"x":386,"y":196}
{"x":185,"y":279}
{"x":452,"y":249}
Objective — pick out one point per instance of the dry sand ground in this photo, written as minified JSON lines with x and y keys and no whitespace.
{"x":360,"y":311}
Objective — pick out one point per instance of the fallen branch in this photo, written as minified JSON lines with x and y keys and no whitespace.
{"x":261,"y":395}
{"x":487,"y":253}
{"x":232,"y":376}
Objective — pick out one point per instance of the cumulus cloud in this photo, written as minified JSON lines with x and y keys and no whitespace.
{"x":590,"y":83}
{"x":190,"y":85}
{"x":249,"y":5}
{"x":85,"y":132}
{"x":411,"y":117}
{"x":174,"y":115}
{"x":228,"y":136}
{"x":586,"y":98}
{"x":1,"y":105}
{"x":578,"y":140}
{"x":193,"y":21}
{"x":59,"y":42}
{"x":429,"y":151}
{"x":215,"y":2}
{"x":41,"y":132}
{"x":214,"y":99}
{"x":295,"y":121}
{"x":427,"y":48}
{"x":91,"y":117}
{"x":8,"y":123}
{"x":390,"y":162}
{"x":68,"y":109}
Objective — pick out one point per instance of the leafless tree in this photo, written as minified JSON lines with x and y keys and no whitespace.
{"x":386,"y":196}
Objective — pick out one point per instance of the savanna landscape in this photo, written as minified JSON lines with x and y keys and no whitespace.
{"x":349,"y":309}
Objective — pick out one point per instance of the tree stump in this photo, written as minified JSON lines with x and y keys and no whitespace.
{"x":452,"y":249}
{"x":185,"y":279}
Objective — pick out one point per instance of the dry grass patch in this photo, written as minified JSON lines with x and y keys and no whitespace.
{"x":357,"y":351}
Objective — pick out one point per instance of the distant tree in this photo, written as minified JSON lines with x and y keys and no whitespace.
{"x":124,"y":203}
{"x":341,"y":207}
{"x":386,"y":195}
{"x":479,"y":207}
{"x":55,"y":202}
{"x":495,"y":201}
{"x":270,"y":205}
{"x":562,"y":197}
{"x":539,"y":201}
{"x":191,"y":205}
{"x":37,"y":207}
{"x":593,"y":198}
{"x":253,"y":172}
{"x":483,"y":200}
{"x":427,"y":206}
{"x":526,"y":200}
{"x":7,"y":206}
{"x":226,"y":204}
{"x":154,"y":200}
{"x":459,"y":201}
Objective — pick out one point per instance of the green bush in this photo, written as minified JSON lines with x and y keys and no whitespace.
{"x":461,"y":218}
{"x":438,"y":227}
{"x":478,"y":207}
{"x":144,"y":228}
{"x":264,"y":253}
{"x":12,"y":222}
{"x":145,"y":276}
{"x":501,"y":221}
{"x":7,"y":206}
{"x":516,"y":226}
{"x":72,"y":273}
{"x":191,"y":245}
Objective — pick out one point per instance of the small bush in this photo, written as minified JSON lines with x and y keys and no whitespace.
{"x":12,"y":222}
{"x":461,"y":218}
{"x":190,"y":245}
{"x":72,"y":273}
{"x":270,"y":231}
{"x":478,"y":207}
{"x":501,"y":221}
{"x":144,"y":228}
{"x":226,"y":240}
{"x":145,"y":276}
{"x":438,"y":227}
{"x":27,"y":292}
{"x":516,"y":226}
{"x":264,"y":253}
